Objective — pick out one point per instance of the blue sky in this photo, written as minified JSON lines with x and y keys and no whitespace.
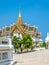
{"x":34,"y":12}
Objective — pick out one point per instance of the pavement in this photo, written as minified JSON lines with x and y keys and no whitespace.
{"x":40,"y":57}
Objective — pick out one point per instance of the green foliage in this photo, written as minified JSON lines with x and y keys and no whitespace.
{"x":17,"y":43}
{"x":45,"y":45}
{"x":27,"y":40}
{"x":32,"y":47}
{"x":27,"y":36}
{"x":14,"y":42}
{"x":24,"y":43}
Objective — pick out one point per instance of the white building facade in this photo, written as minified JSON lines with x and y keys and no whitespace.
{"x":6,"y":51}
{"x":47,"y":39}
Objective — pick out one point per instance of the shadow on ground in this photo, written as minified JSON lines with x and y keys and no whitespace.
{"x":26,"y":52}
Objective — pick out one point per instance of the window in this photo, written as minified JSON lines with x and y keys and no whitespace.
{"x":7,"y":33}
{"x":0,"y":56}
{"x":30,"y":28}
{"x":26,"y":27}
{"x":7,"y":28}
{"x":4,"y":42}
{"x":5,"y":55}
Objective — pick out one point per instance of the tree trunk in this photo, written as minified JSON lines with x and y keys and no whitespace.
{"x":15,"y":50}
{"x":21,"y":50}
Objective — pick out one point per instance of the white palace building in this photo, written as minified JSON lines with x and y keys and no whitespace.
{"x":6,"y":49}
{"x":47,"y":39}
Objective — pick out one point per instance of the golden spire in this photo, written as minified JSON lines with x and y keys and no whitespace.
{"x":19,"y":14}
{"x":19,"y":18}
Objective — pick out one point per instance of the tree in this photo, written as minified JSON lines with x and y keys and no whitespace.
{"x":45,"y":45}
{"x":27,"y":41}
{"x":20,"y":43}
{"x":17,"y":43}
{"x":14,"y":42}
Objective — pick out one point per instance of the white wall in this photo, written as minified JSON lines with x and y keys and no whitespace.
{"x":6,"y":48}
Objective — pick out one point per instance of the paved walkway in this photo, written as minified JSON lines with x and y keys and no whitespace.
{"x":32,"y":58}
